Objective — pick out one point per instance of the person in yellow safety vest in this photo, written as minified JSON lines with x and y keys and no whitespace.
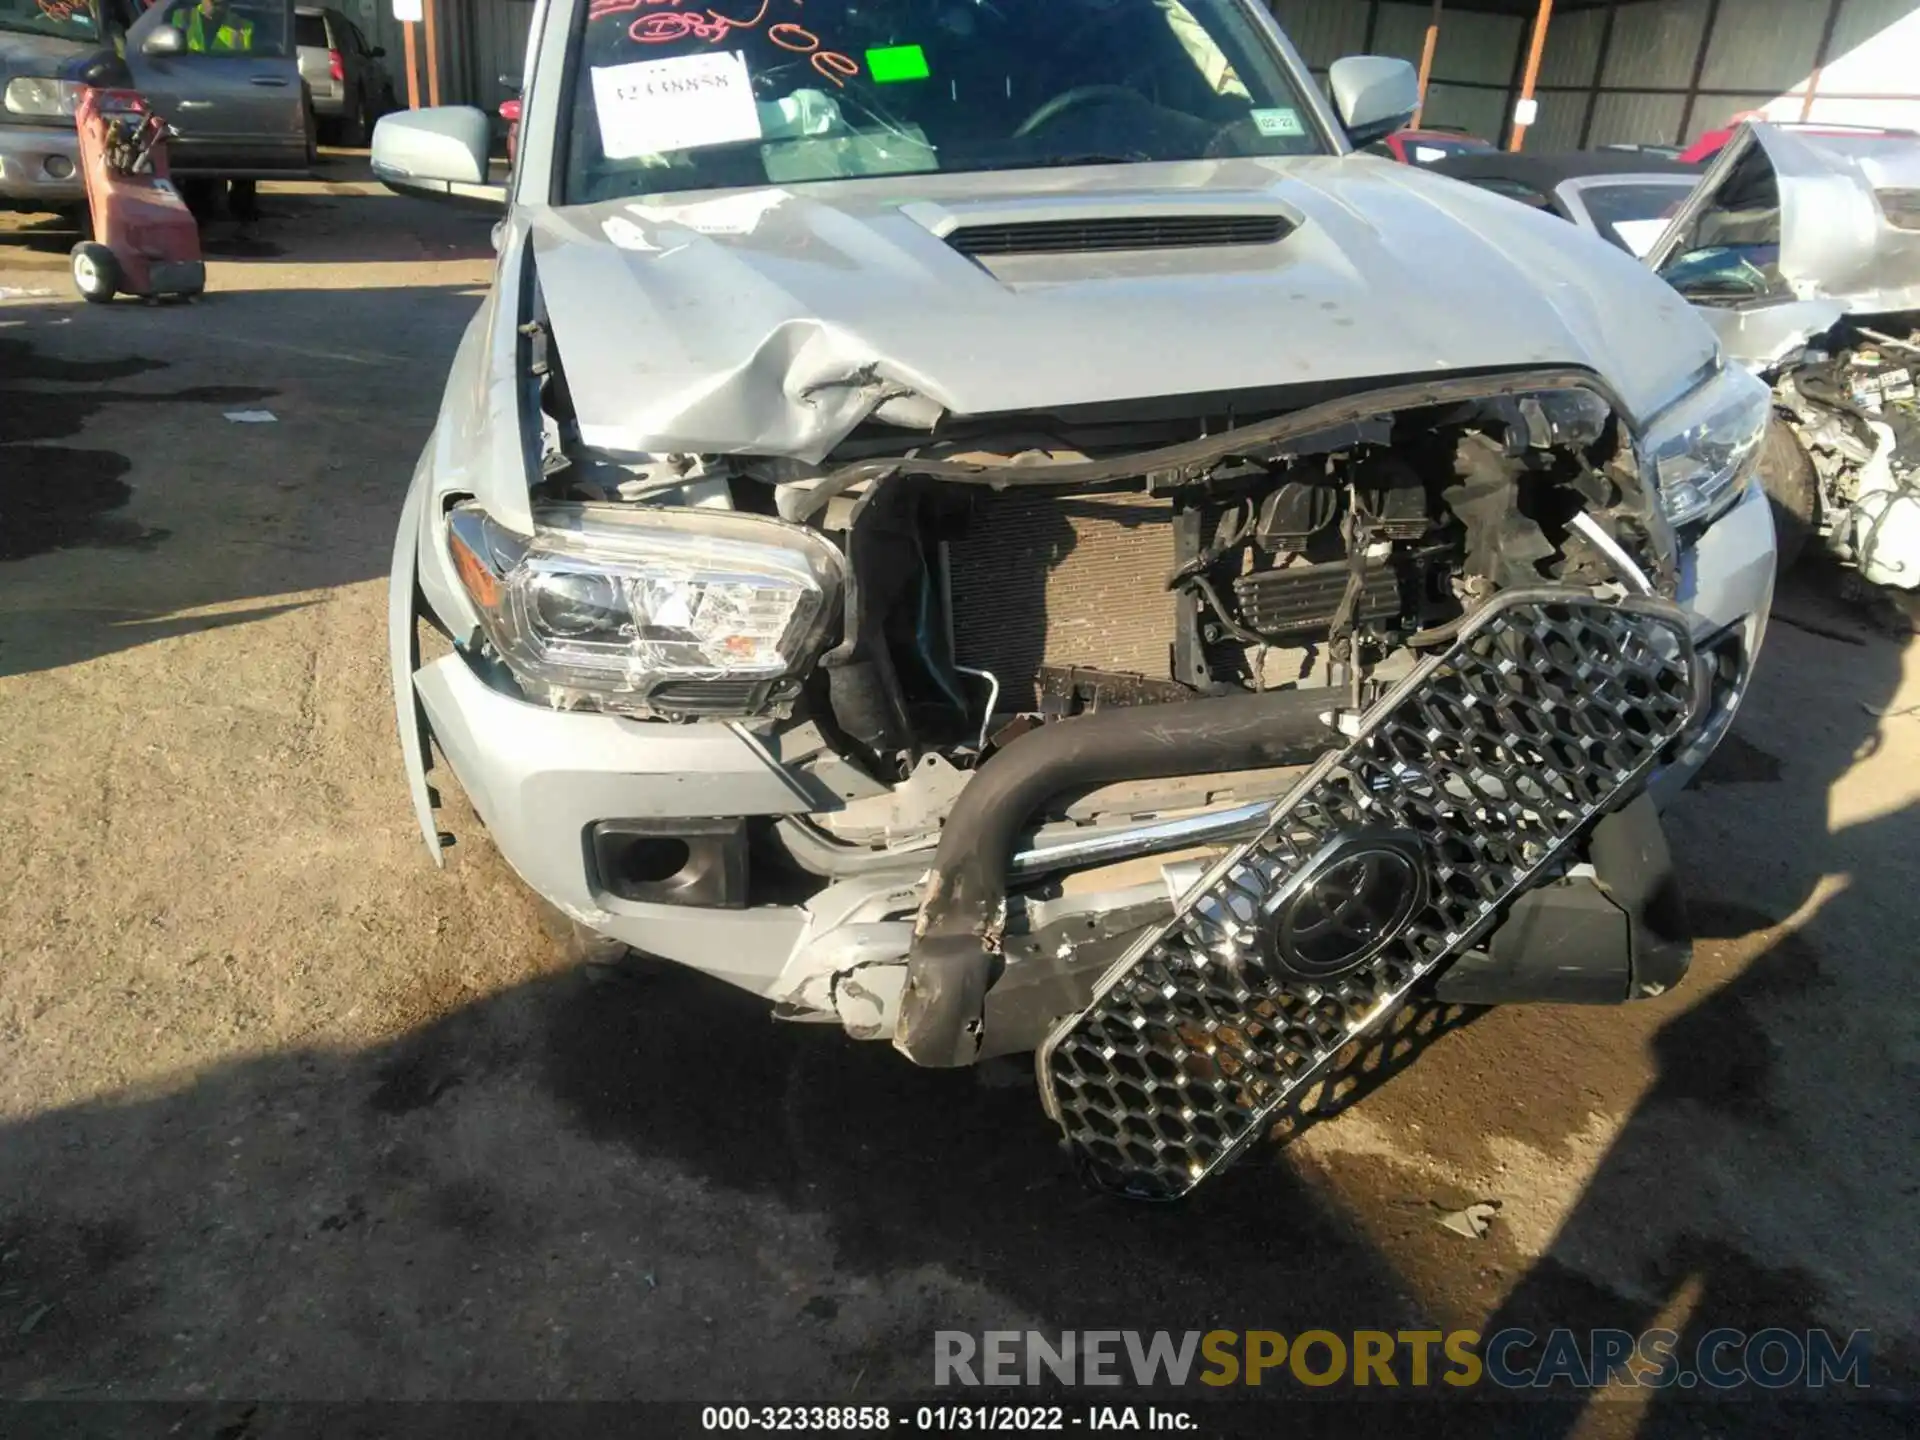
{"x":211,"y":29}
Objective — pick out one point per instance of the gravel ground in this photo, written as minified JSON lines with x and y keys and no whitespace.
{"x":286,"y":1112}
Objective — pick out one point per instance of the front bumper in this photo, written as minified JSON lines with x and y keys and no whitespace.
{"x":40,"y":167}
{"x":541,"y":779}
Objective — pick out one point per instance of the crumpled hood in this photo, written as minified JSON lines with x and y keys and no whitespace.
{"x":773,"y":321}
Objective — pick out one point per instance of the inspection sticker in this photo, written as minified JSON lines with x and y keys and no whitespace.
{"x":653,"y":106}
{"x":1280,"y":120}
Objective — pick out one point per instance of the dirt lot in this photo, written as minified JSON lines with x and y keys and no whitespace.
{"x":287,"y":1112}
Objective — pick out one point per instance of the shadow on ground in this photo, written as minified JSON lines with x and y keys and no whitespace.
{"x":636,"y":1187}
{"x":128,"y":495}
{"x":1768,"y":1177}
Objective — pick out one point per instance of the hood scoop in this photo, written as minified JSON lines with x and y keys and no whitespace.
{"x":1097,"y":224}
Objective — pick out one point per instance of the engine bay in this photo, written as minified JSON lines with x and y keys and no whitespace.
{"x":984,"y":603}
{"x":1850,"y":398}
{"x":1004,"y":572}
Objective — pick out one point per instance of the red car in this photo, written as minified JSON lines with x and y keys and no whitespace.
{"x":1711,"y":143}
{"x":510,"y":112}
{"x":1423,"y":147}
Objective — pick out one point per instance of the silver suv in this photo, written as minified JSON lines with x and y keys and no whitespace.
{"x":346,"y":76}
{"x":996,"y":528}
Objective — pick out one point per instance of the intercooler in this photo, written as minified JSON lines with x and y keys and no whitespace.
{"x":1040,"y":580}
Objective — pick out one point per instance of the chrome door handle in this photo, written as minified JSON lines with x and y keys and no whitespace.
{"x":268,"y":80}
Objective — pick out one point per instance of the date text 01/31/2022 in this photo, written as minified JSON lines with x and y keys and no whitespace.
{"x":941,"y":1419}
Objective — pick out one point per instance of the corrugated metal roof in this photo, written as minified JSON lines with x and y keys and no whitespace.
{"x":1763,"y":45}
{"x":1636,"y":118}
{"x":1655,"y":44}
{"x":1323,"y":31}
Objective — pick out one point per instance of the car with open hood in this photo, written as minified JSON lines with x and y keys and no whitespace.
{"x":1801,"y":249}
{"x":996,"y":528}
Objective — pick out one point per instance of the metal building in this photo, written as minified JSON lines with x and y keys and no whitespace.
{"x":1650,"y":71}
{"x":1634,"y":71}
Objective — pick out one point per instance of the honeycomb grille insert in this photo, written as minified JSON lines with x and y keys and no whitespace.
{"x":1492,"y":759}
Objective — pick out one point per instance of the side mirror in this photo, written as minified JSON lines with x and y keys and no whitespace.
{"x":378,"y":52}
{"x":1375,"y":95}
{"x":439,"y":152}
{"x":164,"y":41}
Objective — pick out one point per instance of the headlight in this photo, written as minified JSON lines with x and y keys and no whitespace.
{"x":689,"y":611}
{"x":1703,"y":446}
{"x":39,"y":95}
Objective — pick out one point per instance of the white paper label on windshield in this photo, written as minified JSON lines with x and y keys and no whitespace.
{"x":653,"y":106}
{"x":1427,"y":154}
{"x":1639,"y":235}
{"x":1280,"y":120}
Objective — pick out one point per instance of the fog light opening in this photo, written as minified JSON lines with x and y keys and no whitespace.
{"x":670,"y":862}
{"x":648,"y":861}
{"x":58,"y":167}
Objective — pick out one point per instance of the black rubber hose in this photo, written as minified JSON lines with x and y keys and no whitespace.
{"x":955,"y":957}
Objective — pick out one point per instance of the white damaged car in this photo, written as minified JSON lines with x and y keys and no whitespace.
{"x":992,"y":526}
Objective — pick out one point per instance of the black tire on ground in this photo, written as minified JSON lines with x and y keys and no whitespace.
{"x":355,"y":129}
{"x":243,"y":200}
{"x":1793,"y":487}
{"x":201,"y":196}
{"x":96,"y":274}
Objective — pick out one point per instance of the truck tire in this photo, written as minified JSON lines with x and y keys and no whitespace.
{"x":358,"y":125}
{"x":1793,"y":488}
{"x":96,"y":274}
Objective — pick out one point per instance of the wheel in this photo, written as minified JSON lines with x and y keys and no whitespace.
{"x":96,"y":274}
{"x":355,"y":129}
{"x":1793,"y":488}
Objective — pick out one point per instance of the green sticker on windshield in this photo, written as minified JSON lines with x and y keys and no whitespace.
{"x":1280,"y":120}
{"x":897,"y":62}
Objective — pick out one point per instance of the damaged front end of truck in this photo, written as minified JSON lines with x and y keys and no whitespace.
{"x":1176,"y":740}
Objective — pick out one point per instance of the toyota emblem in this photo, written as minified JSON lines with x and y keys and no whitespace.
{"x":1346,"y":905}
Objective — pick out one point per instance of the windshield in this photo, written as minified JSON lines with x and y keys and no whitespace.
{"x":671,"y":97}
{"x":68,"y":19}
{"x":1635,"y":214}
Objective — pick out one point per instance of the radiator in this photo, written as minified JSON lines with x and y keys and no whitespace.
{"x":1039,"y":580}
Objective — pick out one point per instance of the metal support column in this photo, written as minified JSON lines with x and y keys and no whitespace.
{"x":1820,"y":58}
{"x":1426,"y":60}
{"x":413,"y":66}
{"x":433,"y":53}
{"x":1540,"y":24}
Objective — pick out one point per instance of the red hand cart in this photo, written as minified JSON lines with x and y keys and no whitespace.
{"x":145,"y":241}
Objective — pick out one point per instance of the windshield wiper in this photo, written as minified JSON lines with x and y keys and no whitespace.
{"x":1090,"y":157}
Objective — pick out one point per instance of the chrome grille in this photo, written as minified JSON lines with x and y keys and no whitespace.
{"x":1490,"y":762}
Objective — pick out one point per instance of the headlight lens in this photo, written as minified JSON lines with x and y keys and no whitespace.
{"x":610,"y":602}
{"x":1705,"y":445}
{"x":41,"y":95}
